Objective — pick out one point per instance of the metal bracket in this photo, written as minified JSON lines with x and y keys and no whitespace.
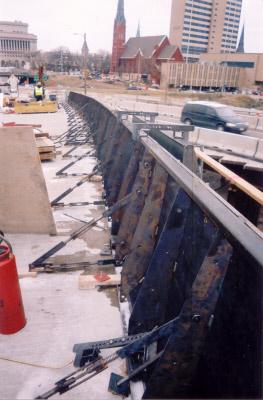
{"x":40,"y":262}
{"x":123,"y":115}
{"x":139,"y":130}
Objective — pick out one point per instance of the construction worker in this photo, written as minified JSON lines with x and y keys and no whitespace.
{"x":39,"y":92}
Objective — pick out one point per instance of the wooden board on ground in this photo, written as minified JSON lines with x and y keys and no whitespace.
{"x":24,"y":275}
{"x":42,"y":134}
{"x":88,"y":282}
{"x":24,"y":205}
{"x":46,"y":148}
{"x":45,"y":145}
{"x":12,"y":124}
{"x":47,"y":156}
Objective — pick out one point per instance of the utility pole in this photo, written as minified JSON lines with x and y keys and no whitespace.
{"x":85,"y":51}
{"x":61,"y":62}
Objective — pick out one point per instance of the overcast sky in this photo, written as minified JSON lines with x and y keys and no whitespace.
{"x":56,"y":21}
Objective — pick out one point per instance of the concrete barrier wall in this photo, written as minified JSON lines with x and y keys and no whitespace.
{"x":230,"y":143}
{"x":24,"y":202}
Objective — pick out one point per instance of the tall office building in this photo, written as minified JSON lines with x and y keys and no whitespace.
{"x":201,"y":26}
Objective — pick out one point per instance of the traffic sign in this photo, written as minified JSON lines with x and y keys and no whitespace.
{"x":36,"y":78}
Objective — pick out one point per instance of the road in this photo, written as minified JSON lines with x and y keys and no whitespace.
{"x":168,"y":113}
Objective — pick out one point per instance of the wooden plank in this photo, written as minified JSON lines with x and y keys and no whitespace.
{"x":42,"y":134}
{"x":46,"y":150}
{"x":27,"y":275}
{"x":47,"y":156}
{"x":44,"y":142}
{"x":233,"y":178}
{"x":12,"y":124}
{"x":88,"y":282}
{"x":45,"y":145}
{"x":36,"y":107}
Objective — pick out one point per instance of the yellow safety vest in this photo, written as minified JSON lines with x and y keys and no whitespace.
{"x":38,"y":91}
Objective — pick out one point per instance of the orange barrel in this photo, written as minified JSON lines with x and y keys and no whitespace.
{"x":12,"y":316}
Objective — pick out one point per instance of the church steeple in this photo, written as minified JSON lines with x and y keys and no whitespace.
{"x":120,"y":17}
{"x":119,"y":37}
{"x":241,"y":45}
{"x":138,"y":34}
{"x":85,"y":51}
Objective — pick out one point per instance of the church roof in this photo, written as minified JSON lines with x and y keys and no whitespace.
{"x":146,"y":45}
{"x":168,"y":52}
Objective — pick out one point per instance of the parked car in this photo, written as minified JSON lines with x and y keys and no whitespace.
{"x":213,"y":116}
{"x":134,"y":87}
{"x":155,"y":86}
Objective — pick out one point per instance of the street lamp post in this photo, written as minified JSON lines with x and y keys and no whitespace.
{"x":61,"y":62}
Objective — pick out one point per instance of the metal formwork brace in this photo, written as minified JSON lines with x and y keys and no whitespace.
{"x":123,"y":115}
{"x":118,"y":154}
{"x":89,"y":136}
{"x":70,"y":267}
{"x":132,"y":213}
{"x":185,"y":345}
{"x":104,"y":148}
{"x":127,"y":182}
{"x":101,"y":132}
{"x":143,"y":129}
{"x":56,"y":201}
{"x":77,"y":111}
{"x":79,"y":204}
{"x":62,"y":170}
{"x":234,"y":224}
{"x":151,"y":303}
{"x":144,"y":238}
{"x":41,"y":261}
{"x":195,"y":317}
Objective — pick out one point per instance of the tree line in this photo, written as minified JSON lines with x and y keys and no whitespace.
{"x":63,"y":60}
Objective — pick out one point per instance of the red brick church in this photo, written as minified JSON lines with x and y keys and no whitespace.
{"x":140,"y":56}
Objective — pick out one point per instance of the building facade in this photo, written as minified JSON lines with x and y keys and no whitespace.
{"x":119,"y":37}
{"x":142,"y":57}
{"x":16,"y":44}
{"x":200,"y":76}
{"x":251,"y":65}
{"x":205,"y":26}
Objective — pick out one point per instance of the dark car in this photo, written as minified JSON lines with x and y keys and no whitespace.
{"x":213,"y":116}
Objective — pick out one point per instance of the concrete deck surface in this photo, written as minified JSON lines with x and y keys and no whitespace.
{"x":58,"y":313}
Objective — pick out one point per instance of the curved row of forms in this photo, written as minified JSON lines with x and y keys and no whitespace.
{"x":184,"y":252}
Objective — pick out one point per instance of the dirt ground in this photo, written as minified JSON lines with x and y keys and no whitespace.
{"x":77,"y":84}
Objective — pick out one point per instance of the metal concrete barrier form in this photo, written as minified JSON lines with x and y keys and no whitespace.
{"x":187,"y":256}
